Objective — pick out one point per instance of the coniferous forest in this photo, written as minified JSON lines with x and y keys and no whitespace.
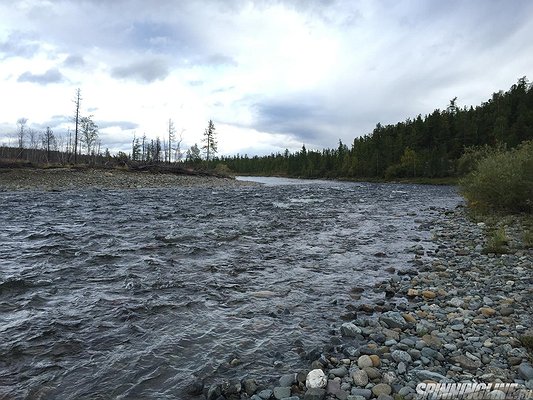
{"x":423,"y":147}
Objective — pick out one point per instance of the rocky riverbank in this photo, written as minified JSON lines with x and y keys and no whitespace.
{"x":69,"y":179}
{"x":463,"y":315}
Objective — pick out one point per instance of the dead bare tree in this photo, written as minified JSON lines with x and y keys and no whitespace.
{"x":77,"y":100}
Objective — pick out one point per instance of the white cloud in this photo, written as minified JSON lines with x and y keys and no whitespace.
{"x":271,"y":74}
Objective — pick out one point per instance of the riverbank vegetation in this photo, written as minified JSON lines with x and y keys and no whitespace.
{"x":420,"y":147}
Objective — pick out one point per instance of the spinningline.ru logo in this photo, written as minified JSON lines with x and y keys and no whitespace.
{"x":472,"y":391}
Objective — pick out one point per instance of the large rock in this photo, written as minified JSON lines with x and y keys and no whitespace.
{"x":316,"y":379}
{"x":349,"y":329}
{"x":393,"y":319}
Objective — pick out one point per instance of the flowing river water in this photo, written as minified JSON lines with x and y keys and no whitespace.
{"x":132,"y":293}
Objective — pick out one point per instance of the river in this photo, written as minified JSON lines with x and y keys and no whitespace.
{"x":133,"y":293}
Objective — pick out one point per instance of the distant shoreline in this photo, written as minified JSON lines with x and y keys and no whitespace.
{"x":59,"y":179}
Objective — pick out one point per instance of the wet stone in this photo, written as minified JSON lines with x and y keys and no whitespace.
{"x":287,"y":380}
{"x":393,"y":319}
{"x":282,"y":392}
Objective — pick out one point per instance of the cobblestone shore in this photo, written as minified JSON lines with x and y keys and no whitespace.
{"x":464,"y":316}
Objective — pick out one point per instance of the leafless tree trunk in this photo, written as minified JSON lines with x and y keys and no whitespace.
{"x":21,"y":133}
{"x":77,"y":102}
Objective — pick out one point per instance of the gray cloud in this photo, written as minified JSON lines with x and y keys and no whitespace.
{"x":305,"y":118}
{"x":54,"y":122}
{"x":124,"y":125}
{"x":19,"y":44}
{"x":219,"y":60}
{"x":51,"y":76}
{"x":143,"y":71}
{"x":74,"y":61}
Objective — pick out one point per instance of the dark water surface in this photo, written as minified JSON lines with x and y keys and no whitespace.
{"x":129,"y":294}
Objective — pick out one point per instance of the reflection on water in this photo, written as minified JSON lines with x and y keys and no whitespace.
{"x":128,"y":294}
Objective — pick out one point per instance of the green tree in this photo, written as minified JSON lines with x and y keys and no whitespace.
{"x":193,"y":154}
{"x":89,"y":133}
{"x":135,"y":149}
{"x":210,"y":142}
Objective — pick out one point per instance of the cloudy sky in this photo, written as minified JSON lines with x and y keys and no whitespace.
{"x":271,"y":74}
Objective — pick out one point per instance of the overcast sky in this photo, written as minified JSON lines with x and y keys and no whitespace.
{"x":270,"y":74}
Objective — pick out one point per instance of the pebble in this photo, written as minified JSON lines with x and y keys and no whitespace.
{"x":364,"y":361}
{"x":360,"y":378}
{"x":381,"y":388}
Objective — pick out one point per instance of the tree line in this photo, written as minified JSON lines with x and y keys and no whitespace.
{"x":428,"y":146}
{"x":83,"y":144}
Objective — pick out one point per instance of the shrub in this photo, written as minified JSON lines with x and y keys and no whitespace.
{"x":471,"y":157}
{"x":497,"y":242}
{"x":503,"y":180}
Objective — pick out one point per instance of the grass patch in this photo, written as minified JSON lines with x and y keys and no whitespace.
{"x":497,"y":242}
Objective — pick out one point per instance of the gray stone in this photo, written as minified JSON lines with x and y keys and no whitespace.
{"x":383,"y":396}
{"x":466,"y":362}
{"x":214,"y":392}
{"x":354,"y":397}
{"x":287,"y":380}
{"x":381,"y":388}
{"x":366,"y":393}
{"x":265,"y":394}
{"x":349,"y":329}
{"x":373,"y":373}
{"x":429,"y":375}
{"x":341,"y":372}
{"x":360,"y":378}
{"x":393,"y":319}
{"x":364,"y":361}
{"x":401,"y":356}
{"x":429,"y":352}
{"x":315,"y":394}
{"x":334,"y":388}
{"x":457,"y":327}
{"x":282,"y":392}
{"x":389,"y":377}
{"x":456,"y":302}
{"x":401,"y":368}
{"x":249,"y":386}
{"x":525,"y":371}
{"x":405,"y":391}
